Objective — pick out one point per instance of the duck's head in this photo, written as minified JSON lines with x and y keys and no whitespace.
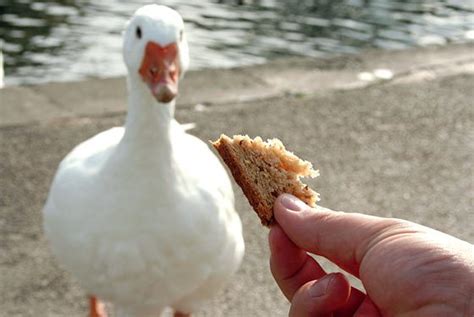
{"x":155,"y":50}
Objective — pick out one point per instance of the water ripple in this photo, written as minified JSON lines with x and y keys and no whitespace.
{"x":58,"y":40}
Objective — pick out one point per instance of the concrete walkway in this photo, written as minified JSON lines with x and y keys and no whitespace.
{"x":400,"y":147}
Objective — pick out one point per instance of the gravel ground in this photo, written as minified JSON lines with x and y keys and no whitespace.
{"x":396,"y":149}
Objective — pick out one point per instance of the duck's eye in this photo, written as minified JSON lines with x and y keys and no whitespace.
{"x":180,"y":35}
{"x":138,"y":32}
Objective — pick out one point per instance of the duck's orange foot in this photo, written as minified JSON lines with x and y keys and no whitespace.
{"x":97,"y":308}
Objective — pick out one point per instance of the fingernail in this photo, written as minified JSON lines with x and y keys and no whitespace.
{"x":292,"y":203}
{"x":321,"y":286}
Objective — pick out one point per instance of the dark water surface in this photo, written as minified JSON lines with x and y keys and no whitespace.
{"x":62,"y":40}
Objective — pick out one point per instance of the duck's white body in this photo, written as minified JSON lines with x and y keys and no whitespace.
{"x":1,"y":70}
{"x":143,"y":216}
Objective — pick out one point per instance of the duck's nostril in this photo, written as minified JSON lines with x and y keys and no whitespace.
{"x":153,"y":71}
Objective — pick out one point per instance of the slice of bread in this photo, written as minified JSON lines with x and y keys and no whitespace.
{"x":264,"y":170}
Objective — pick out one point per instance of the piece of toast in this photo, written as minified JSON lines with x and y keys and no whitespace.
{"x":264,"y":170}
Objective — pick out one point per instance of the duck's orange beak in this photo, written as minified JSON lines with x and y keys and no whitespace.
{"x":160,"y":70}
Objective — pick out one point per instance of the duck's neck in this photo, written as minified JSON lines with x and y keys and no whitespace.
{"x":147,"y":144}
{"x":148,"y":122}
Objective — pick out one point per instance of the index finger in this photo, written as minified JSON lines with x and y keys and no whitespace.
{"x":343,"y":238}
{"x":292,"y":268}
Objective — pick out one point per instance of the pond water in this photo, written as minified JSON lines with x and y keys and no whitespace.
{"x":63,"y":40}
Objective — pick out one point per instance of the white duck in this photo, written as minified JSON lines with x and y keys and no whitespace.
{"x":143,"y":215}
{"x":1,"y":70}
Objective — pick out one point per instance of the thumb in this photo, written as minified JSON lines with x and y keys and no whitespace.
{"x":321,"y":297}
{"x":343,"y":238}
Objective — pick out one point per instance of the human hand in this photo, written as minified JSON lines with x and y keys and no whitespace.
{"x":406,"y":269}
